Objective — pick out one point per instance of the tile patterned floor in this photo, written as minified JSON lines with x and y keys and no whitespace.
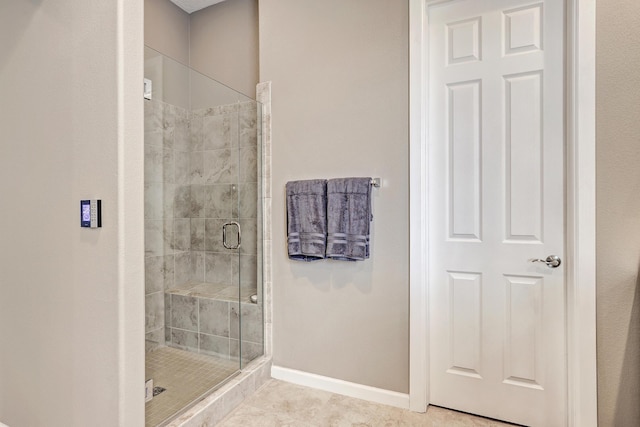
{"x":186,"y":376}
{"x":280,"y":404}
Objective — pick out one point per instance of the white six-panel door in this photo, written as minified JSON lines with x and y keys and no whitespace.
{"x":496,"y":197}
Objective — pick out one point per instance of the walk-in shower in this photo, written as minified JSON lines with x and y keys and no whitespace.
{"x":203,"y":235}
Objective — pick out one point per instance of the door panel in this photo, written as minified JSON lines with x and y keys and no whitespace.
{"x":496,"y":197}
{"x":464,"y":155}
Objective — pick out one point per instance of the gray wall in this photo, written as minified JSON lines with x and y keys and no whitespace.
{"x":340,"y":108}
{"x":618,"y":211}
{"x":71,"y":299}
{"x":224,"y":44}
{"x":220,"y":41}
{"x":166,"y":29}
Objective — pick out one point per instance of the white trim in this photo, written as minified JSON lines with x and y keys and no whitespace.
{"x":418,"y":307}
{"x":359,"y":391}
{"x":129,"y":222}
{"x":581,"y":285}
{"x":581,"y":214}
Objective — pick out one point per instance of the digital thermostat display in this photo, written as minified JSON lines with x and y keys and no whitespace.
{"x":86,"y":214}
{"x":91,"y":213}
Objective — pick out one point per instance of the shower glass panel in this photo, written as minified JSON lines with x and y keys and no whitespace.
{"x":203,"y":235}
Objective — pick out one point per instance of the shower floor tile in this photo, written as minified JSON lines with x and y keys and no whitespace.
{"x":186,"y":376}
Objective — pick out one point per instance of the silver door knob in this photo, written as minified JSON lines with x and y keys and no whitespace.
{"x":552,"y":261}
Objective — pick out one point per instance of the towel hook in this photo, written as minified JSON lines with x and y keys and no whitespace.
{"x":375,"y":182}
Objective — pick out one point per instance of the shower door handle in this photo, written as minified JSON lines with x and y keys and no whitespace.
{"x":224,"y":235}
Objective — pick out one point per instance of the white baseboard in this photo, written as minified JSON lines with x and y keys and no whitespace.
{"x":359,"y":391}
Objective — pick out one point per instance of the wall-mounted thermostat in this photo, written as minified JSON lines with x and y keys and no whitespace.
{"x":91,"y":213}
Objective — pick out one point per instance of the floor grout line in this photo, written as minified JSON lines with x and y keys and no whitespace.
{"x":185,"y":376}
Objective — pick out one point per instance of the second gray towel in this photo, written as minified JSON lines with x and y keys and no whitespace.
{"x":307,"y":219}
{"x":348,"y":218}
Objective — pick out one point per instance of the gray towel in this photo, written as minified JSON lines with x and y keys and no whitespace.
{"x":348,"y":218}
{"x":307,"y":219}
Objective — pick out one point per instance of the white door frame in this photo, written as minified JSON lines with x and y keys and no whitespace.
{"x":580,"y":210}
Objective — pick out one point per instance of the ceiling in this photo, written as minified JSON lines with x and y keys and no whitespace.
{"x":191,"y":6}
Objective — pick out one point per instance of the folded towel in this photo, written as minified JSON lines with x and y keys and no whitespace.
{"x":307,"y":219}
{"x":348,"y":218}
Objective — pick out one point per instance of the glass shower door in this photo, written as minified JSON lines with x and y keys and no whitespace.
{"x":203,"y":235}
{"x":192,"y":280}
{"x":230,"y":125}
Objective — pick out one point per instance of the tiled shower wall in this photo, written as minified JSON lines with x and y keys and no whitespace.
{"x":201,"y":171}
{"x":212,"y":326}
{"x":167,"y":239}
{"x":223,"y":187}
